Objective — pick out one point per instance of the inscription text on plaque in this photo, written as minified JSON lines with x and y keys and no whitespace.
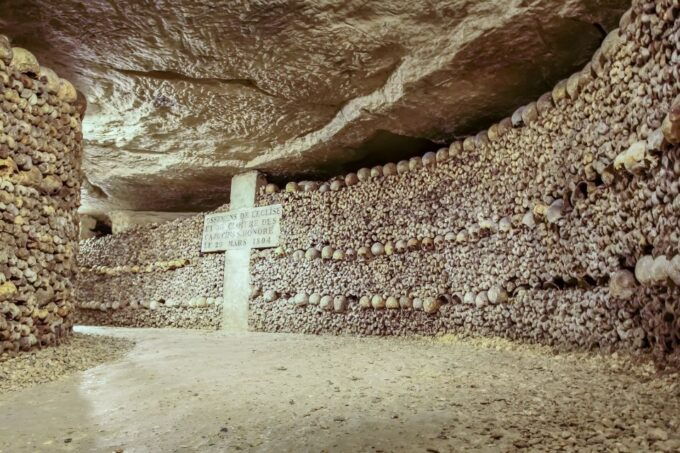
{"x":242,"y":229}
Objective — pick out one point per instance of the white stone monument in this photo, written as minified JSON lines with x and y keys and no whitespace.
{"x":236,"y":232}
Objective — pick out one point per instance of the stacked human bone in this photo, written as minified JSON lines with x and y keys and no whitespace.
{"x":40,"y":152}
{"x":151,"y":276}
{"x":559,"y":224}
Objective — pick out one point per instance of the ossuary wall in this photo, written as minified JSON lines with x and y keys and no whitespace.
{"x":560,"y":224}
{"x":40,"y":153}
{"x":151,"y":276}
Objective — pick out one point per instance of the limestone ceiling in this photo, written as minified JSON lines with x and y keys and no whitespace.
{"x":185,"y":93}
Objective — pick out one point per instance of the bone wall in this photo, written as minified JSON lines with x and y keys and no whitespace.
{"x":151,"y":276}
{"x":560,"y":224}
{"x":40,"y":153}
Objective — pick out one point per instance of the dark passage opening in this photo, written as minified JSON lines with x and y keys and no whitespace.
{"x":102,"y":228}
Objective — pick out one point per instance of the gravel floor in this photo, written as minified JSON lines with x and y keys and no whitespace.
{"x":193,"y":391}
{"x":79,"y":352}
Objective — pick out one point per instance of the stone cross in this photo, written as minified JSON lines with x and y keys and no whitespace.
{"x":237,"y":232}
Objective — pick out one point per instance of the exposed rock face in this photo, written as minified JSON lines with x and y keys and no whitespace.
{"x":87,"y":226}
{"x":186,"y":93}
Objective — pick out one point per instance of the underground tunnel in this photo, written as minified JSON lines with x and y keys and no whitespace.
{"x":339,"y":226}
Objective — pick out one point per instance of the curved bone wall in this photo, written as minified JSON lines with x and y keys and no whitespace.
{"x":40,"y":153}
{"x":560,"y":224}
{"x":151,"y":276}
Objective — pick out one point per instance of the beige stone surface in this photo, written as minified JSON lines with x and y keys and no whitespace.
{"x":184,"y":94}
{"x":183,"y":391}
{"x":236,"y":288}
{"x":87,"y":225}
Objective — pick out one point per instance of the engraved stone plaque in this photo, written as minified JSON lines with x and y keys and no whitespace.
{"x":242,"y":229}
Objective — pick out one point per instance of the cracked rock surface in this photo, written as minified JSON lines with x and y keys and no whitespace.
{"x":184,"y":94}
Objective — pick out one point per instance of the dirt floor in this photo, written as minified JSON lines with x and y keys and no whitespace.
{"x":190,"y":391}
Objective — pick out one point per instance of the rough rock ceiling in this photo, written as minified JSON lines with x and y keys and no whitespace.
{"x":185,"y":93}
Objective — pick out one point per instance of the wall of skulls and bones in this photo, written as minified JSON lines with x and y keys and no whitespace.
{"x":40,"y":152}
{"x":559,"y":224}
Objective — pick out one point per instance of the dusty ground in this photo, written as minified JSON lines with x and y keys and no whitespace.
{"x":182,"y":391}
{"x":77,"y":353}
